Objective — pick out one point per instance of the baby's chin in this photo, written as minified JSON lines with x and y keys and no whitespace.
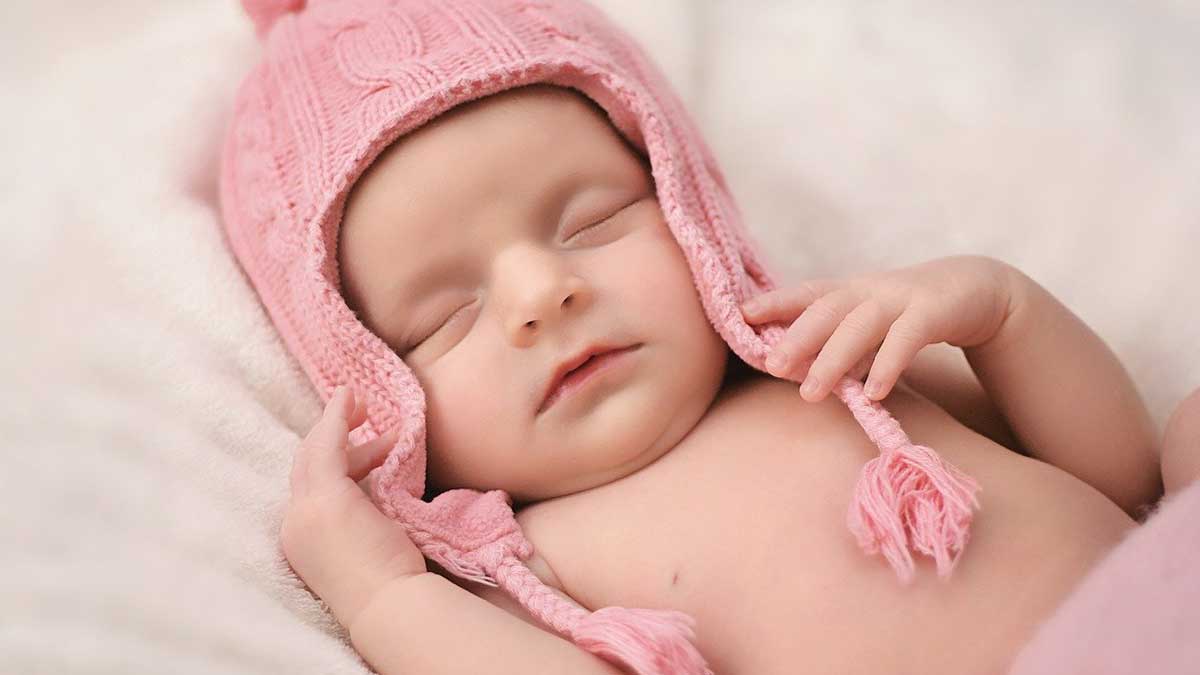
{"x":620,"y":435}
{"x":603,"y":452}
{"x":616,"y":428}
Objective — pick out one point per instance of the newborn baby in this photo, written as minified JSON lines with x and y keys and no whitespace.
{"x":491,"y":245}
{"x":555,"y":442}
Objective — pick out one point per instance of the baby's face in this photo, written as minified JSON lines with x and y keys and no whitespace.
{"x":496,"y":242}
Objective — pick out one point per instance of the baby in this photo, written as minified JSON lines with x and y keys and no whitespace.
{"x":665,"y":473}
{"x":514,"y":252}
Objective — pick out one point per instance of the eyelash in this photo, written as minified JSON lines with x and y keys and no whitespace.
{"x":438,"y":328}
{"x":588,"y":228}
{"x":456,"y":313}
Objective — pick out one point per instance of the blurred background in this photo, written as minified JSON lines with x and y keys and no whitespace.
{"x":148,"y":410}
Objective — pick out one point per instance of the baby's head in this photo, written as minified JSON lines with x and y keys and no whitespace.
{"x":497,"y":242}
{"x":441,"y":204}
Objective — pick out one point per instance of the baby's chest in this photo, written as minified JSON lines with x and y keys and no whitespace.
{"x":742,"y":527}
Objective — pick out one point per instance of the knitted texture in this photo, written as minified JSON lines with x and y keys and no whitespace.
{"x":339,"y":81}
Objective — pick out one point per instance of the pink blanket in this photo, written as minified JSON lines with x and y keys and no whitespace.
{"x":1138,"y":611}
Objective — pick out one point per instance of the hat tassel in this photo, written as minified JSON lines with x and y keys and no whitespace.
{"x":908,"y":497}
{"x":646,"y":640}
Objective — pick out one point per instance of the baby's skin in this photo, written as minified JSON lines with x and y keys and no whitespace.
{"x":495,"y":242}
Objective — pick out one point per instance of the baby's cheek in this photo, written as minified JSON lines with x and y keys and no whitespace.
{"x":471,"y":418}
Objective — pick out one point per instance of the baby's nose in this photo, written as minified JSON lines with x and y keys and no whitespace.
{"x":538,"y":289}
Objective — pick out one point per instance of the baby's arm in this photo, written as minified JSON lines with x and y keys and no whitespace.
{"x":1067,"y":397}
{"x":1063,"y":393}
{"x":401,"y":617}
{"x":427,"y":624}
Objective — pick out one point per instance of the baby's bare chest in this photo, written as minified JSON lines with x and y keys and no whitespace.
{"x":743,"y":527}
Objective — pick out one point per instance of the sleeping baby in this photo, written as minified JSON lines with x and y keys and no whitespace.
{"x":574,"y":426}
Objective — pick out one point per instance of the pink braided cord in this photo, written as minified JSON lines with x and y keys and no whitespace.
{"x":645,"y":641}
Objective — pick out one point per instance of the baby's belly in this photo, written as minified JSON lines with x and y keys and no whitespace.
{"x":743,"y":526}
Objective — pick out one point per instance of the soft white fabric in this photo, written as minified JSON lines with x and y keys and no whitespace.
{"x":149,"y":411}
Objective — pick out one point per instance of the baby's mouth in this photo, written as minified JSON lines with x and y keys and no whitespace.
{"x":581,"y":374}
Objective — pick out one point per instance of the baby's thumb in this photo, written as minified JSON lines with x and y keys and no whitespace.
{"x":362,"y":458}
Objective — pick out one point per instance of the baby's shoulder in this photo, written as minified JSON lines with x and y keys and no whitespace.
{"x":760,"y":404}
{"x":939,"y":376}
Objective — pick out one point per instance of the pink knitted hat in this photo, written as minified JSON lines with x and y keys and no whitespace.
{"x":341,"y":80}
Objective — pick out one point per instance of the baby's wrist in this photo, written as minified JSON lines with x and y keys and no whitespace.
{"x":1012,"y":289}
{"x":357,"y":584}
{"x":389,"y":594}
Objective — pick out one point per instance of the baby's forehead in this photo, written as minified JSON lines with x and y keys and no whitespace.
{"x":483,"y":171}
{"x":530,"y":113}
{"x":513,"y":147}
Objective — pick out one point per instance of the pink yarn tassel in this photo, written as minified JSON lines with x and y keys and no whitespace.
{"x":908,"y":497}
{"x":651,"y":642}
{"x":874,"y":518}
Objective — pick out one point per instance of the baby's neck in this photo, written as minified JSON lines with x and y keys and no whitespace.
{"x":737,"y":372}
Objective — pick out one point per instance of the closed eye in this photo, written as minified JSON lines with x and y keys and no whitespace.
{"x":601,"y":223}
{"x":455,"y":316}
{"x":589,"y":228}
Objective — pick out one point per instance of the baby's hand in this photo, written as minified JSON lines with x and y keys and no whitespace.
{"x":335,"y":538}
{"x":962,"y":300}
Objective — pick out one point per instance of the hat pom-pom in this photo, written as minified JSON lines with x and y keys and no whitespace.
{"x":646,"y":640}
{"x":264,"y":13}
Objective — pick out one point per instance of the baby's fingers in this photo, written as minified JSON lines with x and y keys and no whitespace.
{"x":784,"y":304}
{"x":321,"y":457}
{"x":859,"y":333}
{"x":809,"y":333}
{"x":907,"y":336}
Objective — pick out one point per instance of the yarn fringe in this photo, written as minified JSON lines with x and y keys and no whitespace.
{"x":471,"y":572}
{"x":651,"y":642}
{"x":909,"y":497}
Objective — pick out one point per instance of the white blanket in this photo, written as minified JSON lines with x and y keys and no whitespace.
{"x":148,"y":410}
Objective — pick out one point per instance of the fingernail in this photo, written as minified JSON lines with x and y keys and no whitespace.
{"x":751,"y":306}
{"x":872,"y":389}
{"x":810,"y":386}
